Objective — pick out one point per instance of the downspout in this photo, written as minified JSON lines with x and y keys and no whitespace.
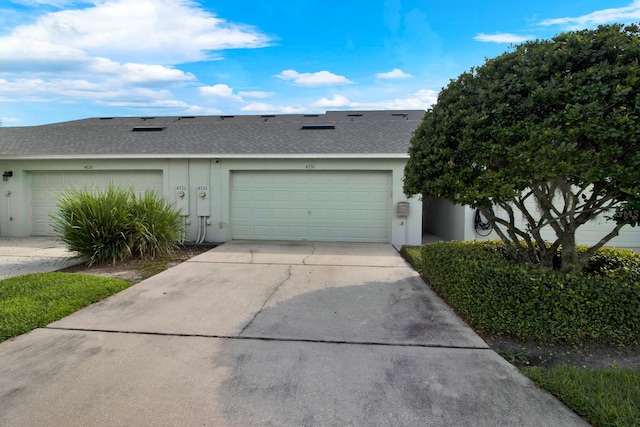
{"x":9,"y":217}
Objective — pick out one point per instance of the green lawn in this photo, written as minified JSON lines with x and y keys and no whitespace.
{"x":605,"y":397}
{"x":34,"y":300}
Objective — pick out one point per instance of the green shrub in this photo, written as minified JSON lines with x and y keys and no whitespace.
{"x":496,"y":296}
{"x":114,"y":224}
{"x":157,"y":226}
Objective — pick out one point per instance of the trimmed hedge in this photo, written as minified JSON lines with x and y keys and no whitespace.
{"x":497,"y":296}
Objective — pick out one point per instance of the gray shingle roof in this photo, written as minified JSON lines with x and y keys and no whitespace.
{"x":355,"y":132}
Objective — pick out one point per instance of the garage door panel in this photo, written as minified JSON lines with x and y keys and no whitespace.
{"x":261,"y":213}
{"x":312,"y":205}
{"x":280,"y":213}
{"x":46,"y":186}
{"x":319,"y":196}
{"x":339,"y":214}
{"x":380,"y":215}
{"x":320,"y":214}
{"x":339,"y":196}
{"x":379,"y":233}
{"x":377,"y":196}
{"x":297,"y":213}
{"x":280,"y":196}
{"x":261,"y":196}
{"x":243,"y":196}
{"x":299,"y":196}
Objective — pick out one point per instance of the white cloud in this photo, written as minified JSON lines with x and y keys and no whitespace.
{"x":147,"y":31}
{"x":55,"y":3}
{"x":77,"y":89}
{"x":4,"y":120}
{"x":152,"y":74}
{"x":502,"y":38}
{"x":320,"y":78}
{"x":420,"y":100}
{"x":115,"y":52}
{"x":138,"y":74}
{"x":255,"y":94}
{"x":336,"y":102}
{"x":396,"y":73}
{"x":260,"y":107}
{"x":625,"y":14}
{"x":219,"y":91}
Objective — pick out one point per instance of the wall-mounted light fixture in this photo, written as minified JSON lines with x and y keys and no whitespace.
{"x":6,"y":175}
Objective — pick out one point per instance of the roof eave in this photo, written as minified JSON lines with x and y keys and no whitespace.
{"x":208,"y":156}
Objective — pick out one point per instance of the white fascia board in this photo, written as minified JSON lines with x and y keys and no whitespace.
{"x":212,"y":156}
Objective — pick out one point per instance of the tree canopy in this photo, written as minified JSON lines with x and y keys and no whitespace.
{"x":551,"y":124}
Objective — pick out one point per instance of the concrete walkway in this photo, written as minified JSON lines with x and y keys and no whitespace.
{"x":24,"y":255}
{"x":273,"y":334}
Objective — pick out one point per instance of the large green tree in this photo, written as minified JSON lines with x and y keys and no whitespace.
{"x":548,"y":132}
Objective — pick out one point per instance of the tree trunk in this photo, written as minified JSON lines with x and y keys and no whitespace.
{"x":569,"y":261}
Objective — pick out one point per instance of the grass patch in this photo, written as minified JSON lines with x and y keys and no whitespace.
{"x":606,"y":397}
{"x":35,"y":300}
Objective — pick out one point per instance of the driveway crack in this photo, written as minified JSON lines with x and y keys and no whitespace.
{"x":313,"y":251}
{"x":275,"y":289}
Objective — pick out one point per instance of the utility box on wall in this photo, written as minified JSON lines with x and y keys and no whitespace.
{"x":182,"y":199}
{"x":202,"y":204}
{"x":402,"y":209}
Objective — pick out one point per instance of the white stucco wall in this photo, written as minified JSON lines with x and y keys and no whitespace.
{"x":15,"y":197}
{"x":589,"y":234}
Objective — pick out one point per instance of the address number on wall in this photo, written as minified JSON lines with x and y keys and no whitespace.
{"x":88,"y":167}
{"x":310,"y":166}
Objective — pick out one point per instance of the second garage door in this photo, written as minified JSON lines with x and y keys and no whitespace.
{"x":45,"y":187}
{"x":311,"y":205}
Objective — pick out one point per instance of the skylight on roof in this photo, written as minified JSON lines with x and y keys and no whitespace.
{"x":318,"y":126}
{"x":148,"y":129}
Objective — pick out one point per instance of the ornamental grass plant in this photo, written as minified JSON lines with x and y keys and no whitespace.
{"x":111,"y":225}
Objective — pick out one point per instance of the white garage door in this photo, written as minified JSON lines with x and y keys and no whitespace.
{"x":46,"y":185}
{"x":311,"y":205}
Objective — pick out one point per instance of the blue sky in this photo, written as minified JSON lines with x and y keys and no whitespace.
{"x":65,"y":60}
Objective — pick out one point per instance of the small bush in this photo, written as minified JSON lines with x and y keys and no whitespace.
{"x":496,"y":296}
{"x":113,"y":224}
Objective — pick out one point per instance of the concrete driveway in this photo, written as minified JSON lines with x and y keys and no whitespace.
{"x":23,"y":255}
{"x":281,"y":334}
